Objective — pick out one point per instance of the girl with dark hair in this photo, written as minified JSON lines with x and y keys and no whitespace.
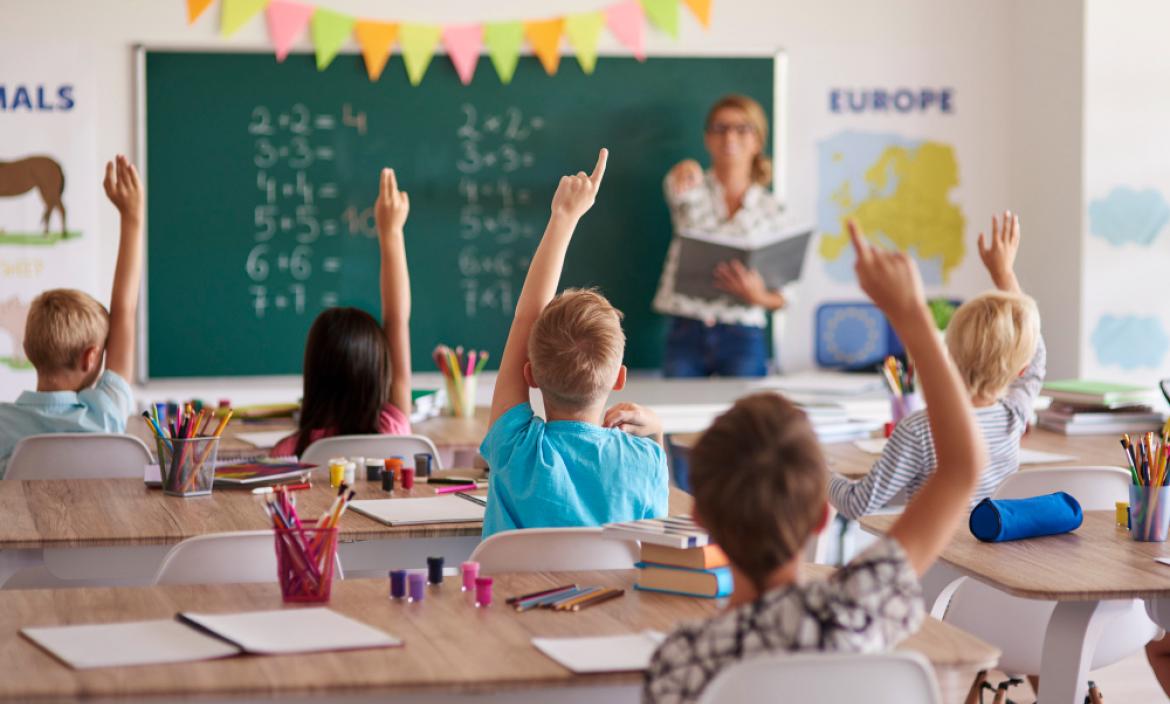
{"x":357,"y":373}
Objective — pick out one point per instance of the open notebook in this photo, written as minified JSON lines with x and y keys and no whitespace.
{"x":195,"y":636}
{"x":405,"y":512}
{"x":625,"y":653}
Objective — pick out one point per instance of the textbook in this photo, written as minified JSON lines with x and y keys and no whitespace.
{"x":778,"y":256}
{"x":1098,"y":393}
{"x":704,"y":558}
{"x":260,"y":473}
{"x":675,"y":532}
{"x":713,"y":583}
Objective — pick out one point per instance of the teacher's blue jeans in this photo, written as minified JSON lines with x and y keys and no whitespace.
{"x":694,"y":349}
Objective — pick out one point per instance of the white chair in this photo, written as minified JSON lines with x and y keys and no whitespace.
{"x":826,"y":678}
{"x":222,"y":558}
{"x":1017,"y":626}
{"x":408,"y":446}
{"x":554,"y":549}
{"x":78,"y":456}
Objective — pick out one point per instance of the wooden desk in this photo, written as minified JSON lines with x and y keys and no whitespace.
{"x":1081,"y":571}
{"x":450,"y":646}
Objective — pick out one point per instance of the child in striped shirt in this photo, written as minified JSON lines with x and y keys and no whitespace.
{"x":991,"y":339}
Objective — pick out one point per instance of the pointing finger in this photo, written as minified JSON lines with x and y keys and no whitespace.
{"x":393,"y":181}
{"x":599,"y":169}
{"x":860,"y":246}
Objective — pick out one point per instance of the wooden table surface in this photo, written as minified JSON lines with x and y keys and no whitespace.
{"x":1097,"y":561}
{"x":449,"y":644}
{"x":102,"y":512}
{"x":1088,"y":450}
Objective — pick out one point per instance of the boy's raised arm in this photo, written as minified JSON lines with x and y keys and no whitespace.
{"x":573,"y":198}
{"x":390,"y":213}
{"x":124,"y":189}
{"x":891,"y":279}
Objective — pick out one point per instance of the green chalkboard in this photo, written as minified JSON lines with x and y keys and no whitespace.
{"x":261,"y":178}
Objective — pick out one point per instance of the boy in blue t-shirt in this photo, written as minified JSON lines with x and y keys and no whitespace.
{"x":585,"y":466}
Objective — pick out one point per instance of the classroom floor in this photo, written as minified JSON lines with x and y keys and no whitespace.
{"x":1130,"y":680}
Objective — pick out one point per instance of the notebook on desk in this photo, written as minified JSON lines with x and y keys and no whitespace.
{"x":625,"y":653}
{"x":408,"y":512}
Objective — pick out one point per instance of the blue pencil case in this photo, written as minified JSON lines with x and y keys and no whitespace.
{"x":995,"y":521}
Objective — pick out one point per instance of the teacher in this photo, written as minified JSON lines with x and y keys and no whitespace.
{"x":723,"y":337}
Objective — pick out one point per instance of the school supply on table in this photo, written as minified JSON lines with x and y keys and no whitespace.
{"x":1149,"y":493}
{"x":625,"y":653}
{"x":192,"y":637}
{"x":1090,"y":419}
{"x":568,"y":597}
{"x":305,"y":555}
{"x":483,"y":592}
{"x":426,"y":404}
{"x":478,"y":500}
{"x":186,"y":451}
{"x":712,"y":583}
{"x":874,"y":446}
{"x":264,"y":439}
{"x":469,"y":571}
{"x":460,"y":371}
{"x":999,"y":520}
{"x":406,"y":512}
{"x":456,"y":488}
{"x":256,"y":473}
{"x":702,"y":558}
{"x":903,"y":388}
{"x":675,"y":531}
{"x":778,"y":256}
{"x":1097,"y":393}
{"x":263,"y":411}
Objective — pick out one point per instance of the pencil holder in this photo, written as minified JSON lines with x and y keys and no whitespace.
{"x":1149,"y":512}
{"x":188,"y":466}
{"x":304,"y":563}
{"x":461,"y":397}
{"x":902,"y":406}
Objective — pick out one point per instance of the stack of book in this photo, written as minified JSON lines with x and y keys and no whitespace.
{"x":1098,"y":408}
{"x":677,"y":557}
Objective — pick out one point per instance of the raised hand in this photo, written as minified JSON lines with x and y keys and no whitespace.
{"x":890,"y":279}
{"x":392,"y":206}
{"x":123,"y":187}
{"x":575,"y":194}
{"x":999,"y":252}
{"x":684,"y":176}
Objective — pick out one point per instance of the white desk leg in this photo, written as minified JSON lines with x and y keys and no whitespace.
{"x":13,"y":561}
{"x":1069,"y":644}
{"x":1159,"y":611}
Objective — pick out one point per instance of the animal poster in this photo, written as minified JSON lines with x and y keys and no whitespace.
{"x":50,"y":185}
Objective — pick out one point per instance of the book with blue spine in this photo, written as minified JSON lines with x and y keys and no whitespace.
{"x":715,"y":583}
{"x":673,"y":531}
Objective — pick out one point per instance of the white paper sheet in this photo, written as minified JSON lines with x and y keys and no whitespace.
{"x":627,"y":653}
{"x":265,"y":439}
{"x":122,"y":644}
{"x":403,"y":512}
{"x":284,"y":631}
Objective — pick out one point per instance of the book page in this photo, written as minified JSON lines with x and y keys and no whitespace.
{"x":284,"y":631}
{"x":121,"y":644}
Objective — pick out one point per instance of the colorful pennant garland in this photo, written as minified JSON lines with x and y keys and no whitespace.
{"x":288,"y":21}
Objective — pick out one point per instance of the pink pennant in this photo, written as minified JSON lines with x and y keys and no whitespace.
{"x":287,"y":22}
{"x":463,"y":43}
{"x":625,"y":20}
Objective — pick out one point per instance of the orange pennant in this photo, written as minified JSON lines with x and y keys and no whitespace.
{"x":375,"y":38}
{"x":702,"y":11}
{"x":545,"y":38}
{"x":195,"y":8}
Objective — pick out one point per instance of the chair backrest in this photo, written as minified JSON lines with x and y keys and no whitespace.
{"x":826,"y":678}
{"x":78,"y":456}
{"x":548,"y":549}
{"x":224,"y":558}
{"x":408,"y":446}
{"x":1094,"y":488}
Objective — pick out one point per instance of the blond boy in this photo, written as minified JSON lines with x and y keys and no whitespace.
{"x":994,"y":340}
{"x":583,"y":466}
{"x":69,"y":335}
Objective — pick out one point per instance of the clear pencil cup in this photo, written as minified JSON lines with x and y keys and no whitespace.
{"x":902,"y":406}
{"x":304,"y":563}
{"x":461,"y":397}
{"x":1149,"y":513}
{"x":187,"y":466}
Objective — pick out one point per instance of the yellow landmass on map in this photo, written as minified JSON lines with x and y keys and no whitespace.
{"x":916,"y":215}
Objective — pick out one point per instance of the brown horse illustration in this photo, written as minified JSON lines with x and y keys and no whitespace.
{"x":39,"y":172}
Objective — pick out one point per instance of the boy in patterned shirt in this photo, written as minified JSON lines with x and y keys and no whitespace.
{"x":760,"y":485}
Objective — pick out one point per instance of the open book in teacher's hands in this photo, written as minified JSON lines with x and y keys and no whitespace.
{"x":777,"y":254}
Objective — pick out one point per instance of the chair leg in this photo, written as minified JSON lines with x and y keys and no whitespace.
{"x":973,"y":694}
{"x":1095,"y":696}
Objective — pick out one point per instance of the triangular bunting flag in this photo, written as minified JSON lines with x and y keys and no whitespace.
{"x":195,"y":8}
{"x":701,"y":9}
{"x":625,"y":21}
{"x":503,"y":40}
{"x":582,"y":31}
{"x":663,"y":14}
{"x":418,"y":46}
{"x":286,"y":24}
{"x":236,"y":13}
{"x":463,"y":43}
{"x":375,"y":39}
{"x":545,"y":38}
{"x":330,"y":30}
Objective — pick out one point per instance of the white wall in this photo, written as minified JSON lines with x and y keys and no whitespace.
{"x":829,"y":42}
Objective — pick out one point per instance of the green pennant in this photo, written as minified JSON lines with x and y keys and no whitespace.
{"x":237,"y":13}
{"x":418,"y":42}
{"x":663,"y":14}
{"x":583,"y":31}
{"x":330,"y":30}
{"x":503,"y":41}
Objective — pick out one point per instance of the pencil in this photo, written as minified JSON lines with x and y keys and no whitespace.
{"x":595,"y":600}
{"x":544,"y":592}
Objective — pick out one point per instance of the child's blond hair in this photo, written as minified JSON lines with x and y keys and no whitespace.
{"x":576,"y":348}
{"x":62,"y":323}
{"x":991,"y":338}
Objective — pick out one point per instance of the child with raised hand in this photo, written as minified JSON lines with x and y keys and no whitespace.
{"x":760,"y":483}
{"x":357,"y":373}
{"x":994,"y":340}
{"x":583,"y":466}
{"x":69,"y":334}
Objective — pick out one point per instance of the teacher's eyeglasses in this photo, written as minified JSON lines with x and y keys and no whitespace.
{"x":721,"y":129}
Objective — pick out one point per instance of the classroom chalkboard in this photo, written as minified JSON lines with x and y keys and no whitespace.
{"x":261,"y":177}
